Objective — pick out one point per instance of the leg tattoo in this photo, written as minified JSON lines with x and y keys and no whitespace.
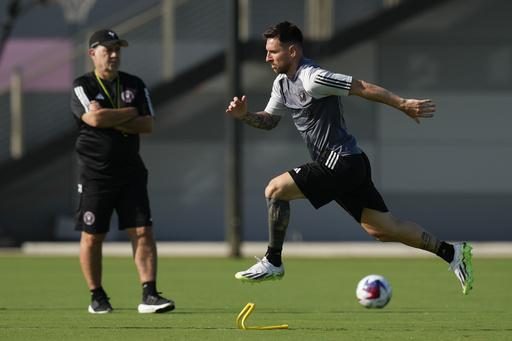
{"x":278,"y":219}
{"x":429,"y":242}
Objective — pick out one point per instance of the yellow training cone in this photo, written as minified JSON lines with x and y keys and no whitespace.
{"x":244,"y":314}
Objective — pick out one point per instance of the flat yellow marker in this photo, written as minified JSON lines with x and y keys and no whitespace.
{"x":244,"y":314}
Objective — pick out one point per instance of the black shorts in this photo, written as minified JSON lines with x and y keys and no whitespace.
{"x":96,"y":203}
{"x":346,"y":180}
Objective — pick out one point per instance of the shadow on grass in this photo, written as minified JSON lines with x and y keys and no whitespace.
{"x":174,"y":312}
{"x":212,"y":328}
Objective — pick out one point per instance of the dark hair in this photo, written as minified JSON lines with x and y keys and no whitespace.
{"x":286,"y":32}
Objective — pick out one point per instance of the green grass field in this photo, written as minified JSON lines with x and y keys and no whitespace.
{"x":47,"y":298}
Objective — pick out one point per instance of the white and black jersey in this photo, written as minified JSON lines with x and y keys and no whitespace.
{"x":312,"y":97}
{"x":106,"y":153}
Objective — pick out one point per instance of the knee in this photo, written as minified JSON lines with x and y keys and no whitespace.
{"x":92,"y":238}
{"x":140,"y":233}
{"x":273,"y":190}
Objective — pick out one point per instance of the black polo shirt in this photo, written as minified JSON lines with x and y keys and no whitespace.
{"x":106,"y":153}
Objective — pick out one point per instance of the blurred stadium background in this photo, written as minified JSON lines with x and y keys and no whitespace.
{"x":450,"y":174}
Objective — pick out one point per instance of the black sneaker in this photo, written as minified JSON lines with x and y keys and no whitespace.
{"x":155,"y":304}
{"x":100,"y":306}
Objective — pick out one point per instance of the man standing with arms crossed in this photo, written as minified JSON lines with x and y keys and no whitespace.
{"x":340,"y":170}
{"x":111,"y":109}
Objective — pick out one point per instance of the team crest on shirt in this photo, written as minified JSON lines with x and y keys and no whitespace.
{"x":89,"y":218}
{"x":303,"y":96}
{"x":127,"y":96}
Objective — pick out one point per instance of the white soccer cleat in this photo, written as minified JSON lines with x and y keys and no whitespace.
{"x":462,"y":266}
{"x":261,"y":271}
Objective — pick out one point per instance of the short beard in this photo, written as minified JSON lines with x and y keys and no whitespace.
{"x":283,"y":70}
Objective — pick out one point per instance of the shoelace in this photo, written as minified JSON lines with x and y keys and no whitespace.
{"x":102,"y":299}
{"x":260,"y":263}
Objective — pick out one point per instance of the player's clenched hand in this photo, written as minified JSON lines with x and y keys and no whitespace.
{"x":95,"y":105}
{"x":237,"y":108}
{"x":416,"y":109}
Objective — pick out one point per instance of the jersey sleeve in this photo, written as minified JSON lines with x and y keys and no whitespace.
{"x":275,"y":105}
{"x":147,"y":107}
{"x":145,"y":104}
{"x":321,"y":83}
{"x":80,"y":100}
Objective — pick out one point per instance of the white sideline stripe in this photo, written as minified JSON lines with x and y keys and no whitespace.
{"x":250,"y":249}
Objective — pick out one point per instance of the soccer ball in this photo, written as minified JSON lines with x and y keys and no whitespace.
{"x":373,"y":291}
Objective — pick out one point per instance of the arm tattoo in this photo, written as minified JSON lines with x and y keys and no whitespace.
{"x":261,"y":120}
{"x":429,"y":242}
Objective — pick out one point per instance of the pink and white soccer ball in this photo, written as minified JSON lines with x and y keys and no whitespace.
{"x":373,"y":291}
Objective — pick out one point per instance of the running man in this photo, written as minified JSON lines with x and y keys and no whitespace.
{"x":340,"y":171}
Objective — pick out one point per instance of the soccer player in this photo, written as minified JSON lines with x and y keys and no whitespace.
{"x":111,"y":109}
{"x":340,"y":170}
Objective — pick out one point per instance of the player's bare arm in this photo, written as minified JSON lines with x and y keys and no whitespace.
{"x":99,"y":117}
{"x":137,"y":125}
{"x":262,"y":120}
{"x":413,"y":108}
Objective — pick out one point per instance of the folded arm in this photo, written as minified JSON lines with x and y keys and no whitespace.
{"x":137,"y":125}
{"x":124,"y":119}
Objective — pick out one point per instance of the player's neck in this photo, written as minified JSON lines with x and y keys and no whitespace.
{"x":107,"y":75}
{"x":293,"y":67}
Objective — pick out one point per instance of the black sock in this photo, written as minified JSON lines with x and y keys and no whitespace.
{"x":97,"y":293}
{"x":446,"y":252}
{"x":274,"y":255}
{"x":149,"y":288}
